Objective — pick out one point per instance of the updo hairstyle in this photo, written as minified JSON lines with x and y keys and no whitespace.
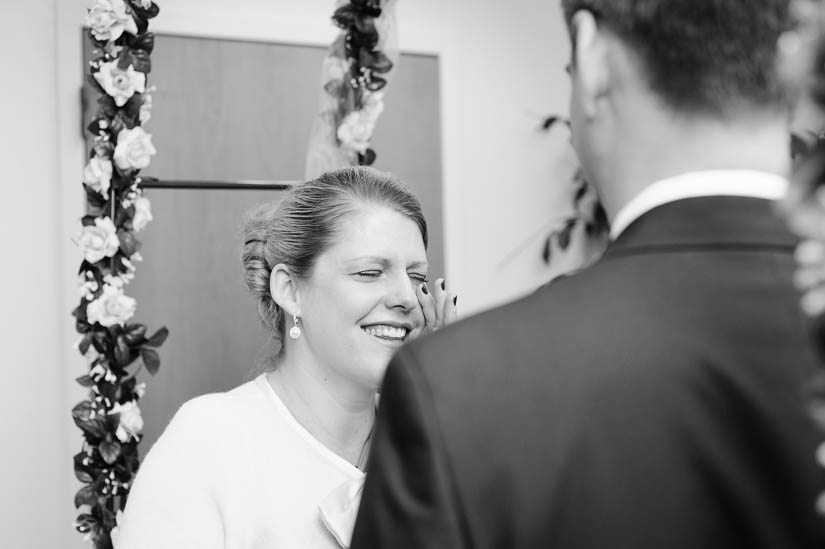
{"x":299,"y":228}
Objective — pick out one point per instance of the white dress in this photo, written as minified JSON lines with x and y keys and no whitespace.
{"x":235,"y":470}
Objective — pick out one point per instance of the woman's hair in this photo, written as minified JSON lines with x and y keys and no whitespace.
{"x":299,"y":228}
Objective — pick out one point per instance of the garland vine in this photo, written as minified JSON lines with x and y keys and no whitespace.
{"x":115,"y":349}
{"x":355,"y":77}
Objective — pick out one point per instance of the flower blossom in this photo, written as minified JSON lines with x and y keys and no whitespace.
{"x":99,"y":240}
{"x":131,"y":422}
{"x":98,"y":174}
{"x":146,"y":107}
{"x":134,"y":149}
{"x":111,"y":307}
{"x":143,"y":213}
{"x":109,"y":18}
{"x":356,"y":129}
{"x":120,"y":84}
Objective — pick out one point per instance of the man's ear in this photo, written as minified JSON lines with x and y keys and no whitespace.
{"x":284,"y":290}
{"x":591,"y":68}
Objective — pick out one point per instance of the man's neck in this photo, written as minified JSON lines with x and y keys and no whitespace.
{"x":683,"y":146}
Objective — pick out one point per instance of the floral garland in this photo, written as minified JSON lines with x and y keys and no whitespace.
{"x":355,"y":66}
{"x":116,"y":209}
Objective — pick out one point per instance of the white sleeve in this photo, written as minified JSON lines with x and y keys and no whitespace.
{"x":174,"y":502}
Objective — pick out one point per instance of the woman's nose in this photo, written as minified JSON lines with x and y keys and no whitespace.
{"x":402,"y":294}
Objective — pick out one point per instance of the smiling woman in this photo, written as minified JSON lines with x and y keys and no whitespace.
{"x":340,"y":266}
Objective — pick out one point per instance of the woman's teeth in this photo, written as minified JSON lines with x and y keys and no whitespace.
{"x":387,"y":332}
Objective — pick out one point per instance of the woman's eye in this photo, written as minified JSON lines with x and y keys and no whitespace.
{"x":369,"y":274}
{"x":418,"y":277}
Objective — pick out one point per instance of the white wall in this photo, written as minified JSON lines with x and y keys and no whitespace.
{"x":503,"y":182}
{"x":35,"y":463}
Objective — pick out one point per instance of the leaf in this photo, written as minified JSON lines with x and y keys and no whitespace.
{"x":133,"y":333}
{"x":123,"y":214}
{"x":85,"y":496}
{"x":109,"y":451}
{"x":83,"y":476}
{"x":122,"y":352}
{"x":128,"y":243}
{"x":141,"y":61}
{"x":151,"y":359}
{"x":82,"y":411}
{"x":83,"y":347}
{"x":157,"y":338}
{"x":94,"y":427}
{"x":85,"y":381}
{"x":145,"y":42}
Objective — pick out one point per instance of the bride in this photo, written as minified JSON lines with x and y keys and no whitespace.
{"x":339,"y":269}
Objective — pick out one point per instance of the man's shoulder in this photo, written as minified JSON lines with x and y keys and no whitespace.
{"x":552,"y":313}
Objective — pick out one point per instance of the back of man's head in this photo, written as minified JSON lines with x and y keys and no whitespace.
{"x":700,"y":56}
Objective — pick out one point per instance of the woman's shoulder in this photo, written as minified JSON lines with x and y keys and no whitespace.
{"x":219,"y":411}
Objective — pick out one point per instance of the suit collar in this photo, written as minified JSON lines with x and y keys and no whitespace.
{"x":752,"y":183}
{"x":705,"y":222}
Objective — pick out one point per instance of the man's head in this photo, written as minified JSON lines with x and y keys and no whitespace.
{"x":699,"y":56}
{"x":641,"y":68}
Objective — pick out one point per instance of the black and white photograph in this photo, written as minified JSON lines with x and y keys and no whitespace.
{"x":395,"y":274}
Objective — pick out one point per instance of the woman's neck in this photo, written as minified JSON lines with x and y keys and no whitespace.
{"x":338,"y":419}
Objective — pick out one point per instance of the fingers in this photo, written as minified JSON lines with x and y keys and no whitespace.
{"x":450,"y":312}
{"x":425,"y":298}
{"x":440,"y":296}
{"x":445,"y":304}
{"x":437,"y":305}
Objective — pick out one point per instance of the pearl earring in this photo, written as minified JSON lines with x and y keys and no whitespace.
{"x":295,"y":331}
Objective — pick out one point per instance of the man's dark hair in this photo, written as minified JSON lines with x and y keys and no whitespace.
{"x":707,"y":56}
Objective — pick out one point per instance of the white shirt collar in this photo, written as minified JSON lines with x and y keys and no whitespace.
{"x":749,"y":183}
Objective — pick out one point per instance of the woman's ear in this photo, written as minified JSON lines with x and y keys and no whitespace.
{"x":590,"y":66}
{"x":282,"y":286}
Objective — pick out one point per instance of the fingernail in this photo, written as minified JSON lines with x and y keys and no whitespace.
{"x":455,"y":301}
{"x":443,"y":287}
{"x":424,"y":288}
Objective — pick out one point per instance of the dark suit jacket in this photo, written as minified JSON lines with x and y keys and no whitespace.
{"x":653,"y":400}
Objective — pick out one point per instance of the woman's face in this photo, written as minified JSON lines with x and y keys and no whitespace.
{"x":359,"y":304}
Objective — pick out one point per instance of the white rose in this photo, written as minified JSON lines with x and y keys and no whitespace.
{"x":99,"y":240}
{"x":355,"y":131}
{"x":118,"y":83}
{"x":134,"y":149}
{"x":357,"y":128}
{"x":131,"y":422}
{"x":98,"y":174}
{"x":145,"y":108}
{"x":140,"y":389}
{"x":109,"y":18}
{"x":143,"y":213}
{"x":111,"y":307}
{"x":373,"y":105}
